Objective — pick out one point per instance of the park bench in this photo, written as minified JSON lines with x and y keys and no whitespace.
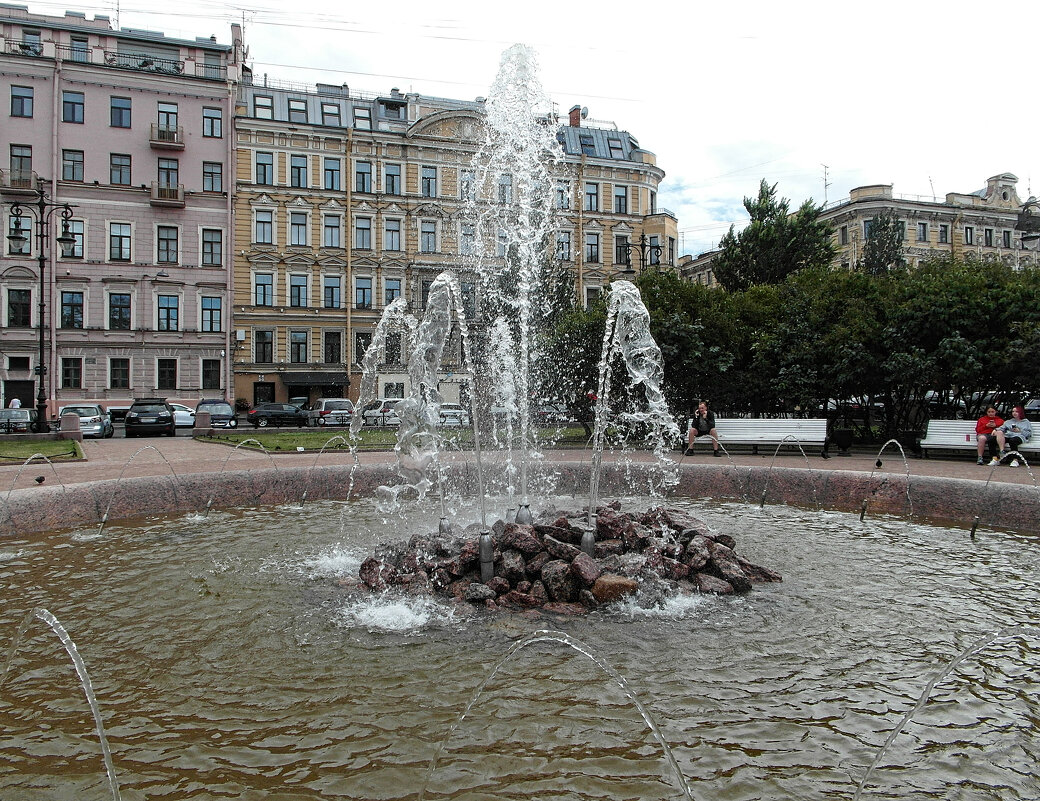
{"x":960,"y":435}
{"x":767,"y":431}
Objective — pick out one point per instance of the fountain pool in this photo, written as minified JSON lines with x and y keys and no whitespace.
{"x":229,"y":664}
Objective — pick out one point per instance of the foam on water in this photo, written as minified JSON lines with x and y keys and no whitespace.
{"x":335,"y":560}
{"x":676,"y":607}
{"x":406,"y":615}
{"x":6,"y":556}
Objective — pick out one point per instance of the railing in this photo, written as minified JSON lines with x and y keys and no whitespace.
{"x":166,"y":136}
{"x":145,"y":63}
{"x":165,"y":195}
{"x":23,"y":49}
{"x":18,"y":180}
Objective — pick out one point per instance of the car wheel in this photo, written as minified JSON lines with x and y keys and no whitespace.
{"x":262,"y":422}
{"x":110,"y":433}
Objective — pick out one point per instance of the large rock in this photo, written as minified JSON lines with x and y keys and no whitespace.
{"x":377,"y":574}
{"x":585,"y":569}
{"x":610,"y":587}
{"x":479,"y":592}
{"x":534,"y":564}
{"x":519,"y":599}
{"x":724,"y":565}
{"x":560,"y":550}
{"x":521,"y":538}
{"x":697,"y":554}
{"x":558,"y":580}
{"x":563,"y":533}
{"x":511,"y":567}
{"x":711,"y":584}
{"x":499,"y":585}
{"x":756,"y":573}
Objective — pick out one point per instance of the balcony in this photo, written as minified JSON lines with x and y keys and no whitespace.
{"x":144,"y":63}
{"x":166,"y":137}
{"x":19,"y":182}
{"x":30,"y":49}
{"x":167,"y":196}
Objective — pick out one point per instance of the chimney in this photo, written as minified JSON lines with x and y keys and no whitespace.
{"x":575,"y":116}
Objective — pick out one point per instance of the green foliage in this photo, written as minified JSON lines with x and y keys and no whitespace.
{"x":883,"y":249}
{"x":775,"y":244}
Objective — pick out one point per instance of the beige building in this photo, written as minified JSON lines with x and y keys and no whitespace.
{"x":982,"y":225}
{"x":345,"y":201}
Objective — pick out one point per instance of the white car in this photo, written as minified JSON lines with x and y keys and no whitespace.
{"x":93,"y":420}
{"x":183,"y":416}
{"x":381,"y":412}
{"x":454,"y":415}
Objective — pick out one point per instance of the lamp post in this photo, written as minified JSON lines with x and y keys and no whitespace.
{"x":648,"y":253}
{"x":41,"y":212}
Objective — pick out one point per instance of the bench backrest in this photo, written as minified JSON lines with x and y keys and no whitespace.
{"x":803,"y":429}
{"x":954,"y":432}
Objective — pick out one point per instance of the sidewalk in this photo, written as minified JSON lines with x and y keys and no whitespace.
{"x":109,"y":458}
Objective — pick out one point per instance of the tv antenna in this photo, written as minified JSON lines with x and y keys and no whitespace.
{"x":825,"y":183}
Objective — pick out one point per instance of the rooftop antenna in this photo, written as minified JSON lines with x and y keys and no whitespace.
{"x":932,"y":184}
{"x":825,"y":184}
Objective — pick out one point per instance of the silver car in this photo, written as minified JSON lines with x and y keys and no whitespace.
{"x":330,"y":412}
{"x":454,"y":415}
{"x":93,"y":420}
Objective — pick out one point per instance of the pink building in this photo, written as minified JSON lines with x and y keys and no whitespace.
{"x":134,"y":130}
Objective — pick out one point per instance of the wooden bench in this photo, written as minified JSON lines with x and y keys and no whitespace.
{"x":767,"y":431}
{"x":960,"y":435}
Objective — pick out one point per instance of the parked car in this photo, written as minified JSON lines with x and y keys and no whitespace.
{"x":276,"y":414}
{"x":93,"y":420}
{"x":1032,"y":407}
{"x":150,"y":416}
{"x":17,"y":421}
{"x":330,"y":412}
{"x":221,"y":413}
{"x":454,"y":415}
{"x":381,"y":412}
{"x":183,"y":416}
{"x":551,"y":415}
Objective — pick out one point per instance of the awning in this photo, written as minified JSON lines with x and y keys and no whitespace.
{"x":315,"y":379}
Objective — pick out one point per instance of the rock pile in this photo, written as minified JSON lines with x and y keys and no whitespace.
{"x":650,"y":555}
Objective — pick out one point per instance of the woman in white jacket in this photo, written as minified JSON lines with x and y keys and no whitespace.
{"x":1013,"y":433}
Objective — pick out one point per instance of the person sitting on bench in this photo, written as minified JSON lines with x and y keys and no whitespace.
{"x":702,"y":425}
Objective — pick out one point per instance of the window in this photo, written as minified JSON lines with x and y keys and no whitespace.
{"x":505,"y":189}
{"x":77,"y":231}
{"x":330,"y":233}
{"x":21,"y":165}
{"x":843,"y":235}
{"x":588,"y":148}
{"x":653,"y":203}
{"x":592,"y":295}
{"x":391,"y":290}
{"x":429,"y":182}
{"x":969,"y":235}
{"x":263,"y":227}
{"x":592,"y":247}
{"x":169,"y":312}
{"x":71,"y":373}
{"x":119,"y":112}
{"x":363,"y":293}
{"x":671,"y":250}
{"x":71,"y":309}
{"x":616,"y":150}
{"x":621,"y":200}
{"x":297,"y":111}
{"x":263,"y":107}
{"x":330,"y":114}
{"x":166,"y":374}
{"x":563,"y":195}
{"x":467,"y":239}
{"x":31,"y":43}
{"x":428,"y":236}
{"x":621,"y":250}
{"x":332,"y":174}
{"x":298,"y":347}
{"x":1006,"y":238}
{"x":212,"y":176}
{"x":363,"y":176}
{"x":211,"y":373}
{"x":80,"y":49}
{"x":424,"y":291}
{"x":212,"y":122}
{"x":263,"y":290}
{"x":72,"y":165}
{"x":18,"y":308}
{"x":167,"y":245}
{"x":922,"y":232}
{"x":655,"y":250}
{"x":72,"y":107}
{"x":21,"y":101}
{"x":119,"y":241}
{"x":363,"y":233}
{"x":169,"y":173}
{"x":298,"y":291}
{"x":298,"y":228}
{"x":466,"y":185}
{"x":591,"y":197}
{"x":867,"y":226}
{"x":263,"y":347}
{"x":392,"y":347}
{"x":212,"y":247}
{"x":298,"y":171}
{"x":332,"y":352}
{"x":265,"y":168}
{"x":944,"y":234}
{"x":119,"y":169}
{"x":119,"y":373}
{"x":392,"y":235}
{"x":167,"y":119}
{"x":362,"y":342}
{"x":211,"y":314}
{"x":362,"y":118}
{"x":392,"y":179}
{"x":331,"y":292}
{"x":119,"y":311}
{"x":563,"y":246}
{"x":501,"y":243}
{"x":988,"y":237}
{"x":19,"y":225}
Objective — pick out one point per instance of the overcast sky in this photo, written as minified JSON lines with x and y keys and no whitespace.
{"x":932,"y":96}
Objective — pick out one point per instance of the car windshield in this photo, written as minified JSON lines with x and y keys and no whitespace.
{"x":216,"y":408}
{"x":14,"y":414}
{"x":82,"y":411}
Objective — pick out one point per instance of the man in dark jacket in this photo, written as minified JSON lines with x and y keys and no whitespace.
{"x":702,"y":425}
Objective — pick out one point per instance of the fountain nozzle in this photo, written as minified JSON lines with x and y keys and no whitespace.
{"x":974,"y":526}
{"x":878,"y":463}
{"x":445,"y":526}
{"x":510,"y":515}
{"x":863,"y":510}
{"x":523,"y":515}
{"x":486,"y":551}
{"x":588,"y":537}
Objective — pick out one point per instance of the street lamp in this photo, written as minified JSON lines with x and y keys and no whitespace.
{"x":41,"y":212}
{"x":648,"y":253}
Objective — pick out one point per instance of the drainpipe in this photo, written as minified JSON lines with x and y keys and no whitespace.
{"x":52,"y":385}
{"x":579,"y":246}
{"x":229,"y":357}
{"x":348,"y":236}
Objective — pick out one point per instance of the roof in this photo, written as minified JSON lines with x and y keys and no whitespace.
{"x":597,"y":143}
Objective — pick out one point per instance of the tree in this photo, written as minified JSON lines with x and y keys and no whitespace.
{"x":883,"y":249}
{"x":775,"y":244}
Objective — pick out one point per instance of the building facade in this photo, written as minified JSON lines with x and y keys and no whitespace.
{"x":134,"y":131}
{"x":986,"y":225}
